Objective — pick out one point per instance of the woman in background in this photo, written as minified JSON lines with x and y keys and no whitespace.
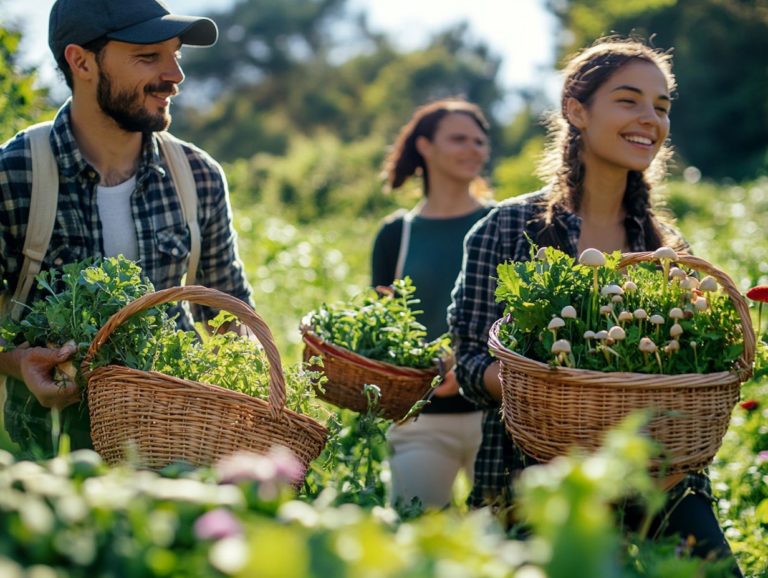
{"x":607,"y":149}
{"x":446,"y":144}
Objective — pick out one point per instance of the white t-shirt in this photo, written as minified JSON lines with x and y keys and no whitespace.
{"x":117,"y":224}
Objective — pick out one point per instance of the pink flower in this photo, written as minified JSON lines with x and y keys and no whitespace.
{"x":217,"y":524}
{"x":279,"y":466}
{"x":762,"y":457}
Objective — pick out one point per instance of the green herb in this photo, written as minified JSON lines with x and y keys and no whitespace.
{"x":380,"y":327}
{"x":639,"y":320}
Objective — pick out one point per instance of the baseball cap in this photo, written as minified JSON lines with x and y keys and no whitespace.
{"x":134,"y":21}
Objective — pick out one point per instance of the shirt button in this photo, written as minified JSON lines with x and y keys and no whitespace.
{"x":174,"y":252}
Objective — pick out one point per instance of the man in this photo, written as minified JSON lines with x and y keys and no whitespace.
{"x":121,"y":60}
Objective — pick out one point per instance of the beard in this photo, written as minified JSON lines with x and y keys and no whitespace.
{"x":123,"y":106}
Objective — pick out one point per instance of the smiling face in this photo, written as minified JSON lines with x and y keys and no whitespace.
{"x":458,"y":150}
{"x":136,"y":83}
{"x":626,"y":121}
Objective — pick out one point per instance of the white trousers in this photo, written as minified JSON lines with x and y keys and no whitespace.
{"x":426,"y":454}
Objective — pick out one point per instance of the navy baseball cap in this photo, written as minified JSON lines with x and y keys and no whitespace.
{"x":134,"y":21}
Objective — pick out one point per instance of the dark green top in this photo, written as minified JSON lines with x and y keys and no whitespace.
{"x":433,"y":262}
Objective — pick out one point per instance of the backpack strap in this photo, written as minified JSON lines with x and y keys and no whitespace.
{"x":43,"y":201}
{"x":186,"y":188}
{"x":405,"y":240}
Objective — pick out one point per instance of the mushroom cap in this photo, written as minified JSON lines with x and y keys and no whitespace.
{"x":568,"y":312}
{"x":589,"y":334}
{"x":606,"y":309}
{"x":758,"y":293}
{"x":611,"y":290}
{"x":592,"y":258}
{"x":647,"y":345}
{"x":556,"y":323}
{"x":676,"y":330}
{"x":677,"y":273}
{"x":676,"y":313}
{"x":602,"y":334}
{"x":629,"y":287}
{"x":541,"y":254}
{"x":561,"y":346}
{"x":708,"y":284}
{"x":689,"y":283}
{"x":701,"y":303}
{"x":656,"y":319}
{"x":640,"y":314}
{"x":626,"y":316}
{"x":665,"y":253}
{"x":617,"y":333}
{"x":672,"y":346}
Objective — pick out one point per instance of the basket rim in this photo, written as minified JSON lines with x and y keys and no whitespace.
{"x":741,"y":372}
{"x":209,"y":388}
{"x":322,"y":346}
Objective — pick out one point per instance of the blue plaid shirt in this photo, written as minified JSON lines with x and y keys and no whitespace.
{"x":161,"y":230}
{"x":505,"y":235}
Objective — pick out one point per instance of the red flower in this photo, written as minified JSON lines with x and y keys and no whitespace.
{"x":758,"y":293}
{"x":749,"y":404}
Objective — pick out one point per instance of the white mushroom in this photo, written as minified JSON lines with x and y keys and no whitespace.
{"x":611,"y":290}
{"x":592,"y":258}
{"x":665,"y":253}
{"x":675,"y":313}
{"x":690,"y":283}
{"x":647,"y":345}
{"x":625,"y":316}
{"x":617,"y":333}
{"x":708,"y":284}
{"x":677,"y":274}
{"x":640,"y":314}
{"x":561,"y":346}
{"x":602,"y":335}
{"x":555,"y":324}
{"x":629,"y":287}
{"x":656,"y":319}
{"x":568,"y":312}
{"x":589,"y":334}
{"x":672,"y":347}
{"x":606,"y":309}
{"x":676,"y":331}
{"x":701,"y":303}
{"x":617,"y":299}
{"x":541,"y":254}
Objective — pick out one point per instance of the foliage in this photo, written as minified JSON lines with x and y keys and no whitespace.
{"x":380,"y":326}
{"x":81,"y":297}
{"x":20,"y":101}
{"x":607,"y":316}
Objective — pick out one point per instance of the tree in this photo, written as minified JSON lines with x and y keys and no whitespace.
{"x":20,"y":101}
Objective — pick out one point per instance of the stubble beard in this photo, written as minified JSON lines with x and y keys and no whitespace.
{"x":123,"y":107}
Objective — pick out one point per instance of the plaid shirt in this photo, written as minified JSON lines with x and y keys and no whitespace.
{"x":161,"y":230}
{"x":501,"y":237}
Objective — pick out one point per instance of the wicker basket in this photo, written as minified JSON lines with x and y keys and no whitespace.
{"x":548,"y":410}
{"x":347,"y":373}
{"x":166,"y":419}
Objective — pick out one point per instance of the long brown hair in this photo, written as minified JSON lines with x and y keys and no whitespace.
{"x":404,"y":160}
{"x":562,"y":165}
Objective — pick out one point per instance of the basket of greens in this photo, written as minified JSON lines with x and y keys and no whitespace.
{"x":158,"y":394}
{"x":374,"y":339}
{"x":585,"y":343}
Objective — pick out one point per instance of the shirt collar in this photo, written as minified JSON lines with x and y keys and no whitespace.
{"x":71,"y":161}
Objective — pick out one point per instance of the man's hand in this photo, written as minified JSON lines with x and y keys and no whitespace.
{"x":36,"y":369}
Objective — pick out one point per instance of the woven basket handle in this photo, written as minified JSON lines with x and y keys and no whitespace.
{"x":212,"y":298}
{"x":740,"y":303}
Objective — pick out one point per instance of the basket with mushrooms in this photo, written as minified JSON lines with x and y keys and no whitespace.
{"x":585,"y":342}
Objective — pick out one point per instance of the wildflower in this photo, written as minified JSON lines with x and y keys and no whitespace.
{"x":749,"y":404}
{"x":217,"y":524}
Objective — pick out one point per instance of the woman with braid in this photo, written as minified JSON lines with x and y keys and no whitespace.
{"x":607,"y":150}
{"x":446,"y":144}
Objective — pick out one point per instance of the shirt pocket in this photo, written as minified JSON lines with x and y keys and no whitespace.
{"x":173,"y":245}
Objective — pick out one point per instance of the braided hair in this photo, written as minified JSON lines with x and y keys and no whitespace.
{"x":562,"y":165}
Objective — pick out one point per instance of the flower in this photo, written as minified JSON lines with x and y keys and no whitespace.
{"x":749,"y":404}
{"x":759,"y":293}
{"x":217,"y":524}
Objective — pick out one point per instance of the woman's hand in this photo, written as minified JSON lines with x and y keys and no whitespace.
{"x":449,"y":386}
